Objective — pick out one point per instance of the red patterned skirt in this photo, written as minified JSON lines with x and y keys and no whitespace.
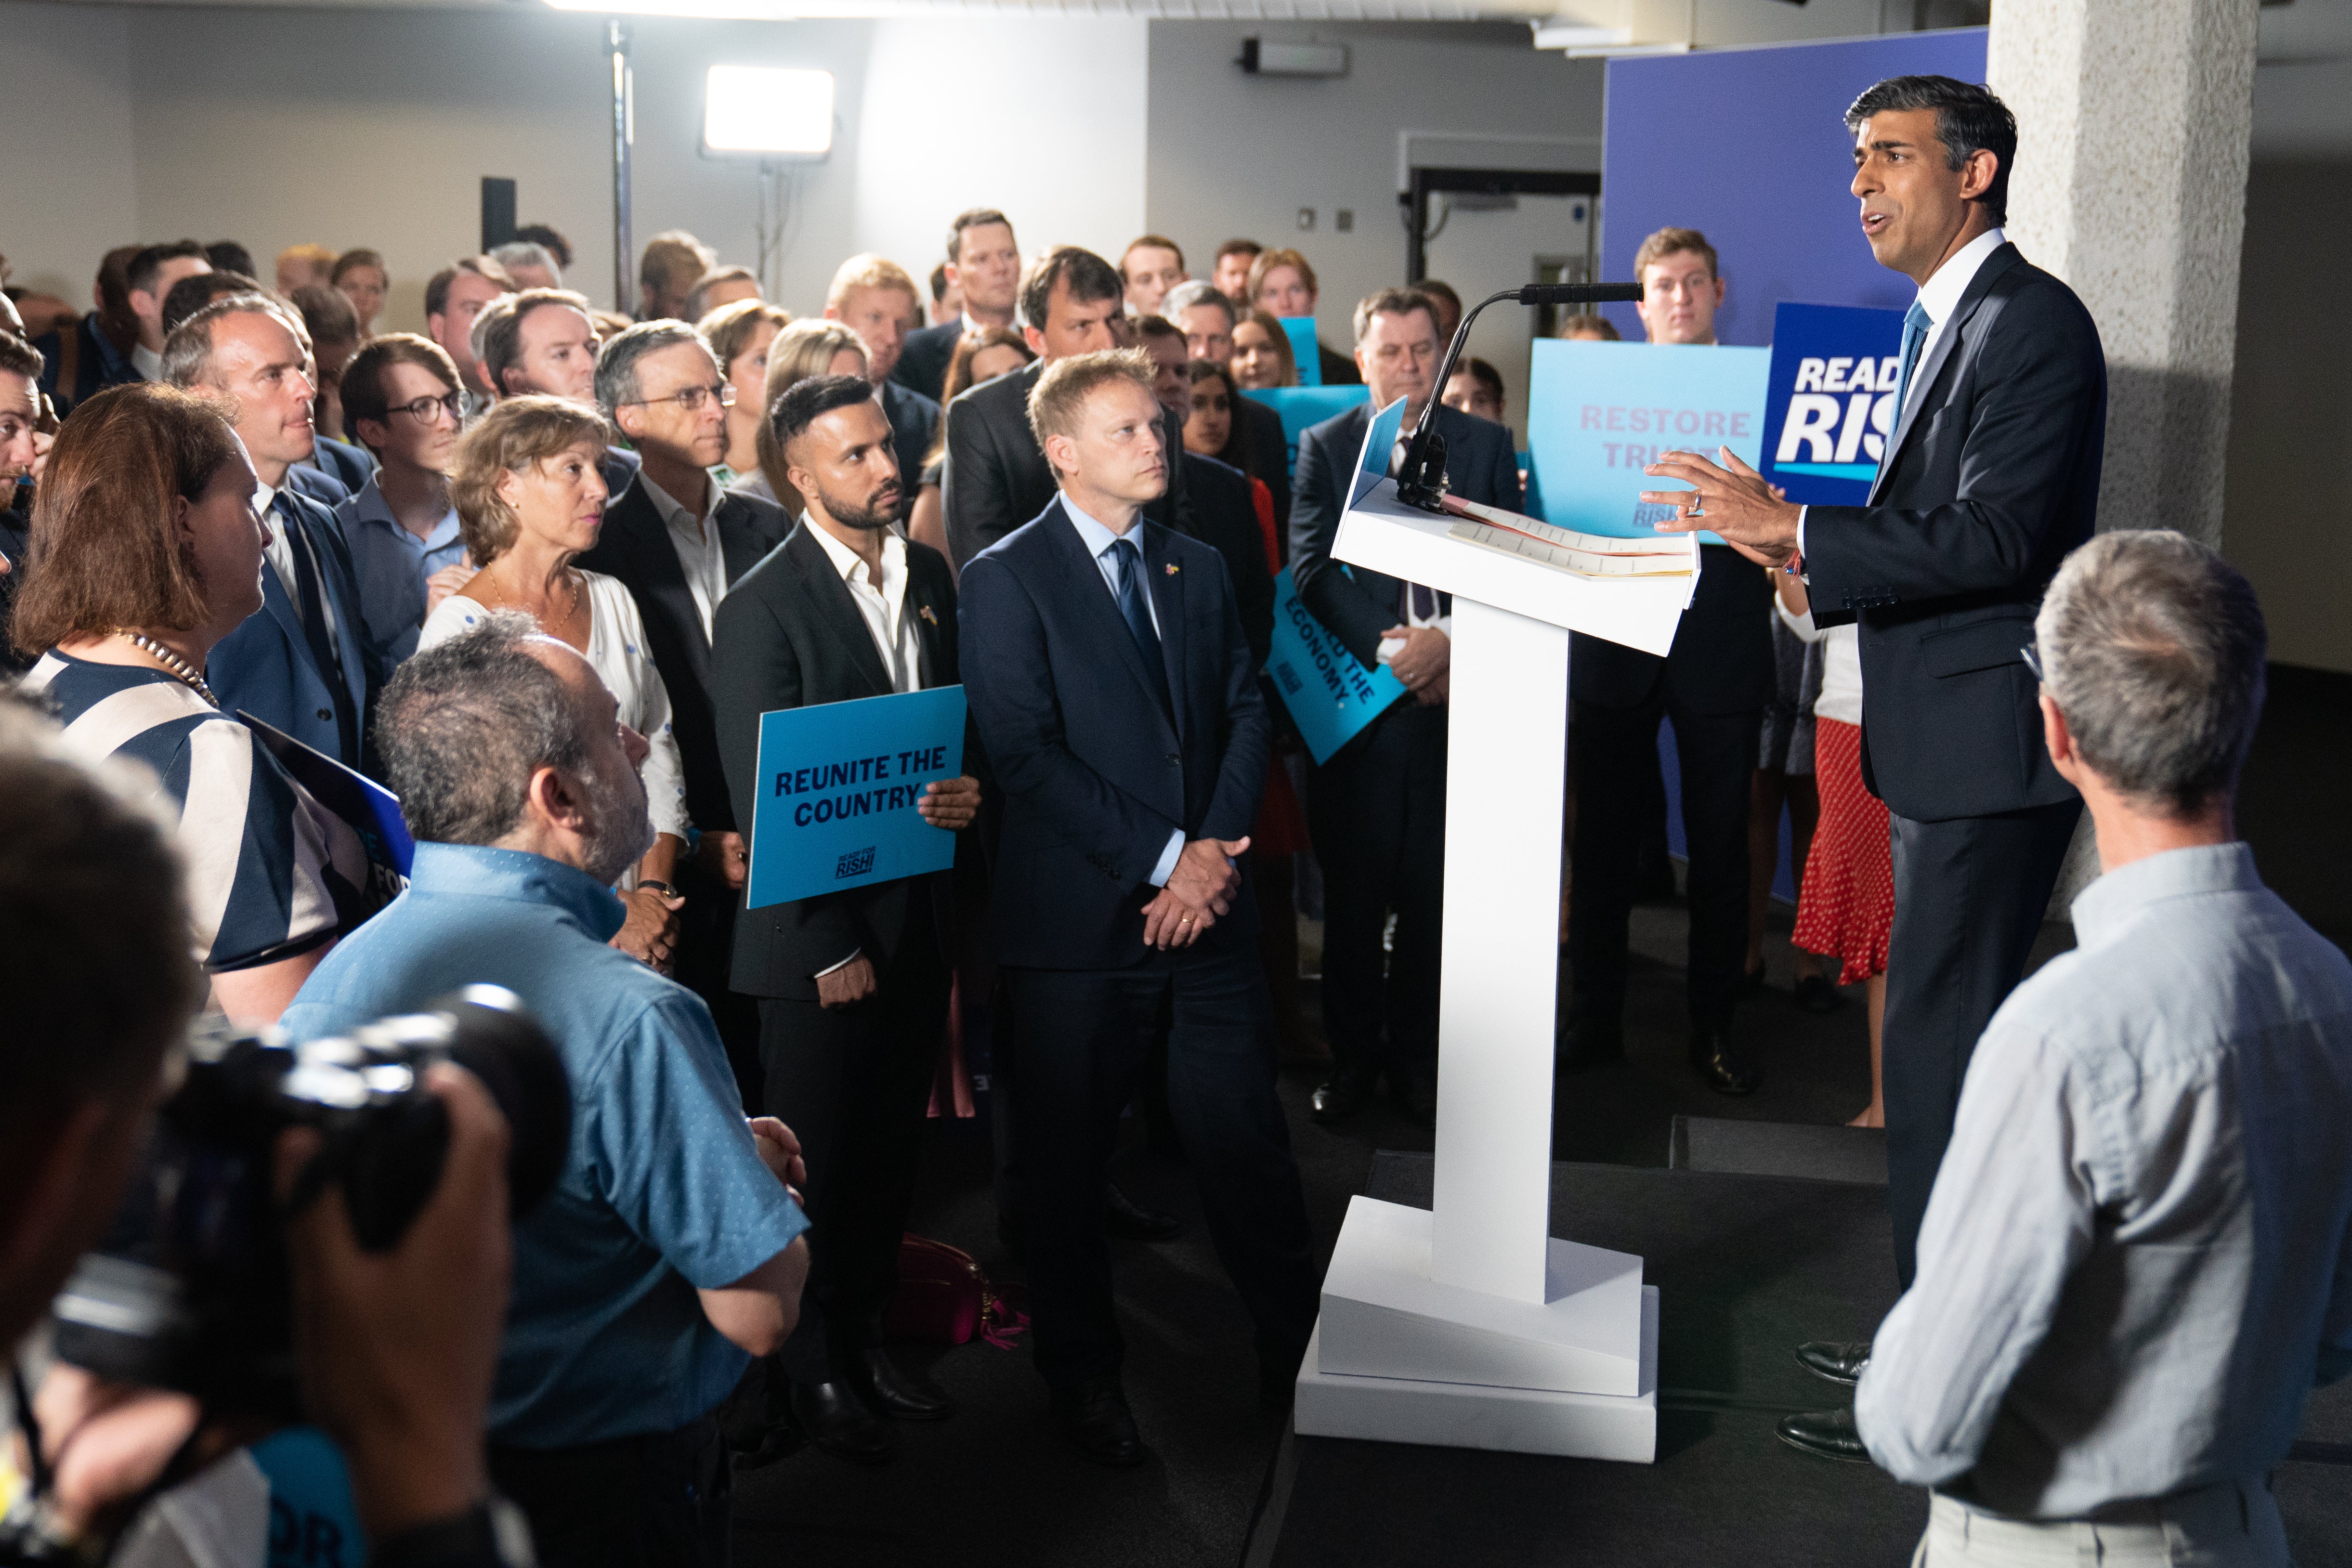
{"x":1847,"y":904}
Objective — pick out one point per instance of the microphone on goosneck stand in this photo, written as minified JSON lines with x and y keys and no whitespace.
{"x":1421,"y":478}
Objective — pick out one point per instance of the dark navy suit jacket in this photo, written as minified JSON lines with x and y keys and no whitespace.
{"x":914,"y":420}
{"x":1993,"y":477}
{"x":1094,"y":773}
{"x":265,"y":667}
{"x":923,"y":358}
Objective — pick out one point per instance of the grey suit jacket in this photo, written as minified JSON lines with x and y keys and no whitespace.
{"x":1993,"y":476}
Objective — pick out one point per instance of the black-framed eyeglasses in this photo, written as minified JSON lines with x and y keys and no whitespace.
{"x":690,"y":399}
{"x":424,"y":408}
{"x":2031,"y":654}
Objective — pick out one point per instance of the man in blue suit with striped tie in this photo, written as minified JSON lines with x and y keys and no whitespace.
{"x":303,"y":662}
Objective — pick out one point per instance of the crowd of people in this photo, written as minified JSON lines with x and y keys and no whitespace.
{"x":540,"y":569}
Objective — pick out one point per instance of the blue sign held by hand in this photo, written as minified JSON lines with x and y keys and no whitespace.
{"x":839,"y":784}
{"x":1831,"y":409}
{"x":1330,"y":695}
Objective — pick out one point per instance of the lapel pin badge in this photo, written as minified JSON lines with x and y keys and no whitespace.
{"x":1171,"y":569}
{"x":925,"y":611}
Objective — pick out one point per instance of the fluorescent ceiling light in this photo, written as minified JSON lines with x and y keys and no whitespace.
{"x":715,"y":10}
{"x":768,"y":110}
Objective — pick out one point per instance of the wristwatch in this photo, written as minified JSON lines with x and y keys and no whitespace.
{"x":666,"y":890}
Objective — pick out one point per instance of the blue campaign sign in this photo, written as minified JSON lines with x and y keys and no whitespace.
{"x":1380,"y":442}
{"x":1305,"y":348}
{"x":838,"y":787}
{"x":1301,"y":406}
{"x":1598,"y":412}
{"x":1831,"y":405}
{"x":1330,"y":695}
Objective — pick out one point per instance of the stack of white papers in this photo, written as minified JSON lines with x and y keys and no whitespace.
{"x":1564,"y":550}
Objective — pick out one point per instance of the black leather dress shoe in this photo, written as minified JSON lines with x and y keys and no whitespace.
{"x":1839,"y":1361}
{"x":779,"y":1442}
{"x":900,"y":1393}
{"x":1130,"y":1221}
{"x":837,"y":1421}
{"x":1815,"y":993}
{"x":1338,"y":1097}
{"x":1725,"y":1070}
{"x":1823,"y":1434}
{"x":1096,"y":1421}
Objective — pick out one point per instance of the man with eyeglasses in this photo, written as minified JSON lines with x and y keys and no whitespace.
{"x":678,"y":541}
{"x":402,"y":399}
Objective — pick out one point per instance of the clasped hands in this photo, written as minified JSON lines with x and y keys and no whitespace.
{"x":1733,"y":501}
{"x":1199,"y":890}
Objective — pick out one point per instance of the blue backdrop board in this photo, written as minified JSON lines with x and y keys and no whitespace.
{"x":1831,"y":405}
{"x":1598,"y":412}
{"x":1750,"y":146}
{"x":838,"y":787}
{"x":1301,"y":406}
{"x":1305,"y":349}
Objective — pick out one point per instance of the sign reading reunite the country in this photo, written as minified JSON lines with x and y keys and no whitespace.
{"x":1598,"y":412}
{"x":1831,"y":403}
{"x":839,"y":782}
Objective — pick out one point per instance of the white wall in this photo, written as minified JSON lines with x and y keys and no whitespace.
{"x":67,"y":192}
{"x":1234,"y":154}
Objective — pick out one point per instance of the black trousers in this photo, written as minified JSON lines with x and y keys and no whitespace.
{"x":1718,"y":751}
{"x":660,"y":1501}
{"x":706,"y":946}
{"x":854,"y":1083}
{"x":1378,"y":814}
{"x":1969,"y":895}
{"x":1079,"y":1038}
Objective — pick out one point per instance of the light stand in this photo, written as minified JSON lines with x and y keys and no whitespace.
{"x":1421,"y":478}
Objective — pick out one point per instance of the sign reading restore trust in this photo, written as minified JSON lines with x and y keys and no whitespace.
{"x":839,"y":782}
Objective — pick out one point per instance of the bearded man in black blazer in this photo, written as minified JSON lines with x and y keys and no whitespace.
{"x":1992,"y":476}
{"x":1377,"y":806}
{"x":1117,"y":702}
{"x":853,"y":985}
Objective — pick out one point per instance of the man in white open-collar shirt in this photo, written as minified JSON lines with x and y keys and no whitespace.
{"x":2134,"y":1264}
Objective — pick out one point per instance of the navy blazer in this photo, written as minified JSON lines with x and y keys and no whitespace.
{"x":1093,"y":774}
{"x":914,"y":420}
{"x":265,"y":667}
{"x":1227,"y":519}
{"x":1356,"y":604}
{"x":636,"y":548}
{"x":923,"y":358}
{"x":790,"y":636}
{"x":348,"y":466}
{"x":1992,"y":478}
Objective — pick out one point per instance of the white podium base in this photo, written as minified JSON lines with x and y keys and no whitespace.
{"x":1470,"y":1416}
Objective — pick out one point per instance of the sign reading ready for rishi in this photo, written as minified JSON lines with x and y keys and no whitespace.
{"x":1831,"y":403}
{"x":838,"y":787}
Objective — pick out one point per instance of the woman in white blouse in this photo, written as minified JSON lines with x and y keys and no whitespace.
{"x":529,"y":492}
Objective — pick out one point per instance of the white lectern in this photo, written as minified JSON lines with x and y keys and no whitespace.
{"x":1469,"y":1325}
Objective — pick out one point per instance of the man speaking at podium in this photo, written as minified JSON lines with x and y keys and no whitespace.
{"x":1377,"y":806}
{"x":1992,"y":476}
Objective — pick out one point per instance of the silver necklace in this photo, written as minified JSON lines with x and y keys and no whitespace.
{"x":172,"y":662}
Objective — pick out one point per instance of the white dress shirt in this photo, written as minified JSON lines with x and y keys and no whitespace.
{"x":147,"y":363}
{"x":694,"y":537}
{"x":883,"y":602}
{"x":1840,"y":693}
{"x":1940,"y":296}
{"x":1098,"y":538}
{"x":280,"y":552}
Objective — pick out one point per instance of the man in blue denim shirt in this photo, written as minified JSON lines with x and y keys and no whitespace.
{"x":668,"y":1254}
{"x":2135,"y":1264}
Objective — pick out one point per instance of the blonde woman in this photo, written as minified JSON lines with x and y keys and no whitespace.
{"x":741,"y":336}
{"x":529,"y":492}
{"x":803,"y":350}
{"x":1261,"y":359}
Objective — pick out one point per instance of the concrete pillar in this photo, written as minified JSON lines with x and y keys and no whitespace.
{"x":2132,"y":125}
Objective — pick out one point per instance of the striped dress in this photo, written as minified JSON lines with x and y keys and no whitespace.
{"x":271,"y":873}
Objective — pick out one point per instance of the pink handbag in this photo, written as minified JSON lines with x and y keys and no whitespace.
{"x":944,"y":1296}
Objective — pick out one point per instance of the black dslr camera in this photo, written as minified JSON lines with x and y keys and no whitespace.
{"x":189,"y":1289}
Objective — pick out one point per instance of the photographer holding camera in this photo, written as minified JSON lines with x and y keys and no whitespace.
{"x":395,"y":1347}
{"x":669,"y":1253}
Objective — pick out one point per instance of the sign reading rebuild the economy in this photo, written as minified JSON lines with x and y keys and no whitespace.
{"x":1599,"y":412}
{"x":838,"y":787}
{"x":1831,"y":405}
{"x":1329,"y":693}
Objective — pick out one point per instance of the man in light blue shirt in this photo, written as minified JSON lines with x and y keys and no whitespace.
{"x":401,"y":399}
{"x":669,"y":1253}
{"x":2134,"y":1263}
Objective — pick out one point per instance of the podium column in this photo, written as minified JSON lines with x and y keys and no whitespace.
{"x":1506,"y":747}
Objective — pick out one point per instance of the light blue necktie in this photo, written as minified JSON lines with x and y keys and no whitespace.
{"x":1915,"y":337}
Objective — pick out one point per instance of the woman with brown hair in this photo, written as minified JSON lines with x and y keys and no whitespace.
{"x":145,"y":552}
{"x":1261,"y":359}
{"x":801,"y":351}
{"x":982,"y":355}
{"x":741,"y":336}
{"x":361,"y":275}
{"x":528,"y":487}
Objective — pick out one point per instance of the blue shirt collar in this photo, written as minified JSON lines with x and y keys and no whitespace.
{"x":475,"y":870}
{"x":369,"y":506}
{"x":2102,"y":909}
{"x":1096,"y":536}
